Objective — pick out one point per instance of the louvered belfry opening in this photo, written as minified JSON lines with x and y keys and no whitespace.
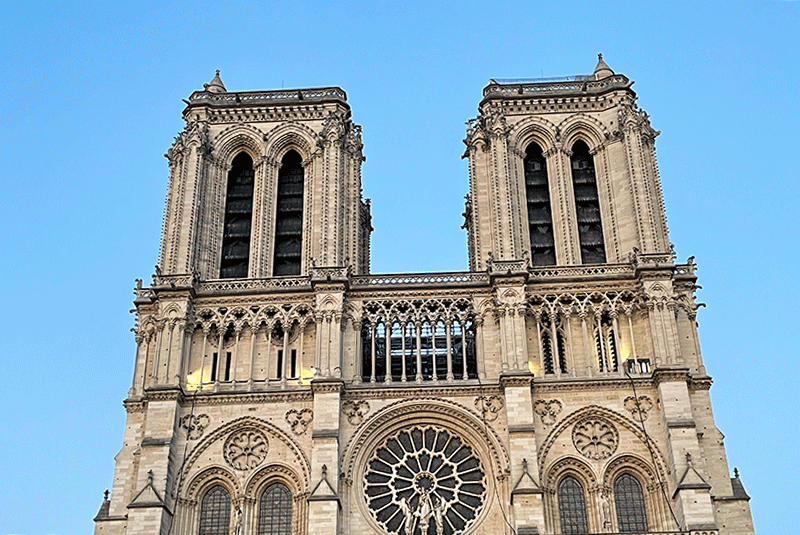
{"x":587,"y":205}
{"x":289,"y":221}
{"x":540,"y":218}
{"x":238,"y":219}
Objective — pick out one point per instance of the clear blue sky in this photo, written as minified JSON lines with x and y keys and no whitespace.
{"x":92,"y":100}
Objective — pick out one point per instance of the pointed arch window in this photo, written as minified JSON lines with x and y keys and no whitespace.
{"x":238,"y":219}
{"x":554,"y":351}
{"x":629,"y":499}
{"x":606,"y":344}
{"x":587,"y":205}
{"x":540,"y":217}
{"x":215,"y":512}
{"x":275,"y":511}
{"x":289,"y":220}
{"x":572,"y":506}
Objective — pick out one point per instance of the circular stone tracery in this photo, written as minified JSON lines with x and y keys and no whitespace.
{"x":245,"y":449}
{"x":595,"y":439}
{"x":424,"y":481}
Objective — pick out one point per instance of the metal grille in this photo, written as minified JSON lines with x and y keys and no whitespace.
{"x":587,"y":205}
{"x":572,"y":506}
{"x":275,"y":511}
{"x":215,"y":512}
{"x":540,"y":218}
{"x":631,"y":513}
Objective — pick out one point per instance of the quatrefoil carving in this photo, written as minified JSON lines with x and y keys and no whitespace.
{"x":299,"y":420}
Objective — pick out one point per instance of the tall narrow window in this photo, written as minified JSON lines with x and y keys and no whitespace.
{"x":289,"y":221}
{"x":275,"y":511}
{"x":572,"y":506}
{"x":587,"y":205}
{"x":631,"y":513}
{"x":540,"y":218}
{"x":238,"y":219}
{"x":215,"y":512}
{"x":606,"y":344}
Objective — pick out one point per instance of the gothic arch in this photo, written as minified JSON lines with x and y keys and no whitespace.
{"x":447,"y":414}
{"x":583,"y":127}
{"x":602,"y":412}
{"x":213,"y":475}
{"x":280,"y":140}
{"x":272,"y":473}
{"x":629,"y":464}
{"x":533,"y":130}
{"x":251,"y":422}
{"x":240,"y":138}
{"x":570,"y":466}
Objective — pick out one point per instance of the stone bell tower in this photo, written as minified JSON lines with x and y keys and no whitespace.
{"x":263,"y":184}
{"x":563,"y":173}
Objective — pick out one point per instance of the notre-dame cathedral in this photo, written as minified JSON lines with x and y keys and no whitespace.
{"x":557,"y":387}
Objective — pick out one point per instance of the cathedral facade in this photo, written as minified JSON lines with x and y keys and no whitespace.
{"x":556,"y":387}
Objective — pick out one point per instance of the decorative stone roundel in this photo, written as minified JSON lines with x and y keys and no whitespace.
{"x":424,"y":481}
{"x":595,"y":439}
{"x":245,"y":448}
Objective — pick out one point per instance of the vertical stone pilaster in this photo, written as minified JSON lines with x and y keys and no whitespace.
{"x":324,"y":506}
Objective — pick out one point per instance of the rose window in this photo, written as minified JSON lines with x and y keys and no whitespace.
{"x":424,"y":481}
{"x":245,"y":449}
{"x":595,"y":439}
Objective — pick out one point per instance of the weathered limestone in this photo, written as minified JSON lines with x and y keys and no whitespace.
{"x":539,"y":395}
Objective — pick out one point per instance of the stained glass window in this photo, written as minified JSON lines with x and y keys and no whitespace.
{"x":572,"y":506}
{"x":631,"y":512}
{"x":275,"y":511}
{"x":215,"y":512}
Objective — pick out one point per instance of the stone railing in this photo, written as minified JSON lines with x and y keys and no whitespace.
{"x":529,"y":89}
{"x":243,"y":285}
{"x":461,"y":278}
{"x":580,"y":271}
{"x":266,"y":97}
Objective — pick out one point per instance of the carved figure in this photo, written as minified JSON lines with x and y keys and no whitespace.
{"x":424,"y":511}
{"x":408,"y":515}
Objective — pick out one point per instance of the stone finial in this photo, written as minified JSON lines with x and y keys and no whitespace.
{"x":149,"y":477}
{"x":688,"y":459}
{"x":735,"y":472}
{"x":215,"y":85}
{"x":105,"y":495}
{"x":602,"y":70}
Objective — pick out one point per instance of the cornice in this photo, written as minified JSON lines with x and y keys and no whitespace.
{"x":327,"y":386}
{"x":414,"y":390}
{"x":542,"y":386}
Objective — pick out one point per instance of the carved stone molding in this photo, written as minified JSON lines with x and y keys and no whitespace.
{"x":195,"y":424}
{"x":489,"y":406}
{"x":355,"y":411}
{"x":299,"y":420}
{"x":245,"y":449}
{"x":639,"y":408}
{"x":595,"y":439}
{"x":547,"y":410}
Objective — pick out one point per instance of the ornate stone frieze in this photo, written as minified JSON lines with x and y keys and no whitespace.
{"x":245,"y":448}
{"x":355,"y":411}
{"x":299,"y":420}
{"x":595,"y":438}
{"x":195,"y":425}
{"x":638,"y":407}
{"x":547,"y":410}
{"x":489,"y":406}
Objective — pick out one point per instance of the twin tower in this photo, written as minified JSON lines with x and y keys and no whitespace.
{"x":556,"y":387}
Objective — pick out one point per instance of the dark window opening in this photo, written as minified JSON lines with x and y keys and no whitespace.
{"x":238,"y":219}
{"x":540,"y":218}
{"x":280,"y":364}
{"x":289,"y":220}
{"x":572,"y":506}
{"x":228,"y":366}
{"x":293,"y":364}
{"x":587,"y":205}
{"x":214,"y":363}
{"x":629,"y":499}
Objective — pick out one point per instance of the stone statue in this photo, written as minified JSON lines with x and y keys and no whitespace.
{"x":424,"y":511}
{"x":408,"y":514}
